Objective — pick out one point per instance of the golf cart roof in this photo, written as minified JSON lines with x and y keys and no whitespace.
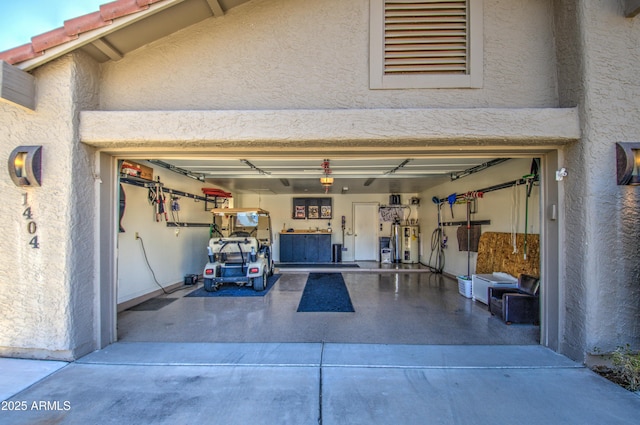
{"x":235,"y":211}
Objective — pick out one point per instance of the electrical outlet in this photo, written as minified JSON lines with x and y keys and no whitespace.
{"x":137,"y":235}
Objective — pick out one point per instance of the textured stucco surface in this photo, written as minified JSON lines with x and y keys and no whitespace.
{"x":293,"y":128}
{"x":46,"y":294}
{"x":598,"y":72}
{"x":297,"y":54}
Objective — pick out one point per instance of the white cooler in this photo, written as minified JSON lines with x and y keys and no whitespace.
{"x":481,"y":283}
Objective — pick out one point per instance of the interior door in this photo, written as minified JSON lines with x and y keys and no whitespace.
{"x":365,"y":227}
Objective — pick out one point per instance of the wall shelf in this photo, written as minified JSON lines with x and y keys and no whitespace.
{"x":137,"y":181}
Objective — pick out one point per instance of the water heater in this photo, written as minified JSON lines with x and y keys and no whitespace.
{"x":410,"y":244}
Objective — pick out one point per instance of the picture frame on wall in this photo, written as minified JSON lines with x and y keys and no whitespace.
{"x":300,"y":211}
{"x":325,"y":211}
{"x":315,"y":208}
{"x":314,"y":211}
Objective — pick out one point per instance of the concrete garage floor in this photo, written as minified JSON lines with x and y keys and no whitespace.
{"x":415,"y":307}
{"x":449,"y":381}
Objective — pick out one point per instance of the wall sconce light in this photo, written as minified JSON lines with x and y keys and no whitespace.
{"x":628,"y":163}
{"x":25,"y":165}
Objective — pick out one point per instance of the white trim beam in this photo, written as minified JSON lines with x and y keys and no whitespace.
{"x":354,"y":129}
{"x":108,"y":49}
{"x":215,"y":7}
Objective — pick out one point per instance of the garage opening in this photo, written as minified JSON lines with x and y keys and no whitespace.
{"x":400,"y":234}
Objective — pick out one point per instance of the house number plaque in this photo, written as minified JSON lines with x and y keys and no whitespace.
{"x":32,"y":227}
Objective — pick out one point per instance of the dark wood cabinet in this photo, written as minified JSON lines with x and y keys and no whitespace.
{"x":305,"y":248}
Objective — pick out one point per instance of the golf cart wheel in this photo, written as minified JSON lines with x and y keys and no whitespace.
{"x":259,"y":283}
{"x":210,"y":286}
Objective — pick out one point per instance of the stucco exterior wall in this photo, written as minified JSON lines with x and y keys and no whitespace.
{"x":597,"y":72}
{"x":47,"y":294}
{"x":297,"y":54}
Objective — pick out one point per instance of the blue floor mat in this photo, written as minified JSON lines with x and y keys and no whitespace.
{"x":233,"y":290}
{"x":325,"y":292}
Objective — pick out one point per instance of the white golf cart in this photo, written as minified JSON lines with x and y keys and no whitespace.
{"x":239,"y":249}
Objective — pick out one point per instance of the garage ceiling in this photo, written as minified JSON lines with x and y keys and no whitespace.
{"x":302,"y":175}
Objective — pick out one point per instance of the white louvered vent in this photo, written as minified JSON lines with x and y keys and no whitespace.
{"x":426,"y":37}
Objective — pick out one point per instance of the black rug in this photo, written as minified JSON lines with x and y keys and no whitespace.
{"x":315,"y":265}
{"x":233,"y":290}
{"x":154,"y":304}
{"x":325,"y":292}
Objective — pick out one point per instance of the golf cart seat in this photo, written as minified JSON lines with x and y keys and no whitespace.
{"x":240,"y":234}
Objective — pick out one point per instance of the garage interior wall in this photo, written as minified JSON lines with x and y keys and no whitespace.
{"x":497,"y":207}
{"x":280,"y":208}
{"x":172,"y":252}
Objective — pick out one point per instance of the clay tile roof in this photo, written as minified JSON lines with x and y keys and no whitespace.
{"x":85,"y":23}
{"x":120,"y":8}
{"x":73,"y":28}
{"x":51,"y":39}
{"x":18,"y":54}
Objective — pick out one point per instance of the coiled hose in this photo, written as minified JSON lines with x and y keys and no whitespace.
{"x":437,"y":248}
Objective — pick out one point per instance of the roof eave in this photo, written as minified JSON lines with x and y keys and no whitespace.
{"x":89,"y":37}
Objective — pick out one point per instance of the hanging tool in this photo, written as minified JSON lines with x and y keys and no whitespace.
{"x":153,"y":199}
{"x":161,"y":202}
{"x":529,"y":180}
{"x":515,"y":208}
{"x":157,"y":200}
{"x":469,"y":238}
{"x":438,"y":242}
{"x":452,"y":200}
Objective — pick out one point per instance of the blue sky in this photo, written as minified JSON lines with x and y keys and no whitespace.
{"x":22,"y":19}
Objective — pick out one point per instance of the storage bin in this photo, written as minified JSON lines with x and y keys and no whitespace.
{"x":464,"y":286}
{"x":336,"y":256}
{"x":190,"y":279}
{"x":385,"y":255}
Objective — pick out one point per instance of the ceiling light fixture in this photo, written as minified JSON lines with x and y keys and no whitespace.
{"x":326,"y":181}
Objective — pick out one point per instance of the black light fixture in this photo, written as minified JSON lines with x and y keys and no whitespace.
{"x":25,"y":166}
{"x":628,"y":163}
